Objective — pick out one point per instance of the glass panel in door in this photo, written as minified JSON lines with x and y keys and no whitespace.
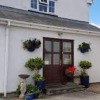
{"x":66,"y":47}
{"x":47,"y":46}
{"x":67,"y":59}
{"x":56,"y":46}
{"x":56,"y":59}
{"x":47,"y":59}
{"x":56,"y":52}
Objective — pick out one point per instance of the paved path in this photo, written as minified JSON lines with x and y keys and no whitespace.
{"x":92,"y":93}
{"x":75,"y":96}
{"x":83,"y":95}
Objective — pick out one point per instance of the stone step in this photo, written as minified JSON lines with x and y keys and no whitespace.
{"x":60,"y":89}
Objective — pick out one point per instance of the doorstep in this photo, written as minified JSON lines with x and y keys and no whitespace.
{"x":59,"y":89}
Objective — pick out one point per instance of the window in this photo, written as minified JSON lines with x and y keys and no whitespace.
{"x":42,"y":7}
{"x":34,"y":4}
{"x":51,"y":6}
{"x":47,"y":6}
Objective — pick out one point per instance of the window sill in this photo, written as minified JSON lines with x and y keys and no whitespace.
{"x":46,"y":13}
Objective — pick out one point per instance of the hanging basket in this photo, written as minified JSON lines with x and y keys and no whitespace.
{"x":84,"y":47}
{"x":31,"y":45}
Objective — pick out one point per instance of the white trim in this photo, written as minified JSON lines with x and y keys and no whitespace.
{"x":6,"y":58}
{"x":48,"y":27}
{"x":43,"y":2}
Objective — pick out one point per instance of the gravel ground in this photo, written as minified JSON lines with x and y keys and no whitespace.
{"x":83,"y":95}
{"x":92,"y":93}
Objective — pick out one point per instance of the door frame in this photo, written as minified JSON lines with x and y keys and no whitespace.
{"x":61,"y":41}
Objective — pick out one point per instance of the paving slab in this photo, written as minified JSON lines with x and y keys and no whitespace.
{"x":92,"y":93}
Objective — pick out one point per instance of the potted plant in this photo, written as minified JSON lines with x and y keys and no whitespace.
{"x":31,"y":45}
{"x":84,"y":47}
{"x":34,"y":64}
{"x":85,"y":65}
{"x":32,"y":92}
{"x":39,"y":82}
{"x":18,"y":90}
{"x":70,"y":73}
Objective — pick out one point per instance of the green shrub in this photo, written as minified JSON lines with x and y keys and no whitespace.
{"x":84,"y":65}
{"x":29,"y":89}
{"x":32,"y":89}
{"x":38,"y":77}
{"x":34,"y":64}
{"x":18,"y":90}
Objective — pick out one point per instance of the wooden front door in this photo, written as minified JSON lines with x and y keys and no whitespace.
{"x":58,"y":55}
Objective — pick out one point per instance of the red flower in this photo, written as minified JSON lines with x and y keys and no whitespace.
{"x":70,"y":69}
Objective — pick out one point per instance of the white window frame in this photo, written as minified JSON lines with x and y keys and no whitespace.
{"x":37,"y":10}
{"x":40,"y":1}
{"x":37,"y":5}
{"x":54,"y":7}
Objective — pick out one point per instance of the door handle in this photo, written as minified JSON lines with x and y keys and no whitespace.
{"x":60,"y":61}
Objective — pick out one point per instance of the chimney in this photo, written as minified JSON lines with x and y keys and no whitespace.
{"x":89,"y":2}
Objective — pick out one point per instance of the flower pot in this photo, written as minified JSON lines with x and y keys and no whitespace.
{"x":84,"y":51}
{"x":29,"y":97}
{"x":70,"y":77}
{"x":85,"y":81}
{"x":31,"y":48}
{"x":40,"y":85}
{"x":35,"y":95}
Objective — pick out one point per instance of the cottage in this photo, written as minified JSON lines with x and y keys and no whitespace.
{"x":60,"y":25}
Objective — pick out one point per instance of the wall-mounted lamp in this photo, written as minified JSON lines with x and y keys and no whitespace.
{"x":60,"y":34}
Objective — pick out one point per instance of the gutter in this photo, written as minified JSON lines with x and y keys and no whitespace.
{"x":6,"y":58}
{"x":48,"y":27}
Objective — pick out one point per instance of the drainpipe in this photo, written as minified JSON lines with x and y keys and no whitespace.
{"x":6,"y":58}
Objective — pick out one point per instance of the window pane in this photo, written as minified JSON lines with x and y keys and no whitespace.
{"x":56,"y":59}
{"x":66,"y":47}
{"x":51,"y":9}
{"x":43,"y":8}
{"x":51,"y":6}
{"x":67,"y":59}
{"x":51,"y":3}
{"x":47,"y":46}
{"x":47,"y":59}
{"x":34,"y":4}
{"x":56,"y":46}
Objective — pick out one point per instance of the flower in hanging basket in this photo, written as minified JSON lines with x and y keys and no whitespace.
{"x":31,"y":45}
{"x":38,"y":43}
{"x":84,"y":47}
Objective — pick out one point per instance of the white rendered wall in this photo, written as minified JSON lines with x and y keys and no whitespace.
{"x":2,"y":50}
{"x":72,"y":9}
{"x":18,"y":56}
{"x":20,"y":4}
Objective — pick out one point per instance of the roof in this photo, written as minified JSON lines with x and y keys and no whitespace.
{"x":45,"y":19}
